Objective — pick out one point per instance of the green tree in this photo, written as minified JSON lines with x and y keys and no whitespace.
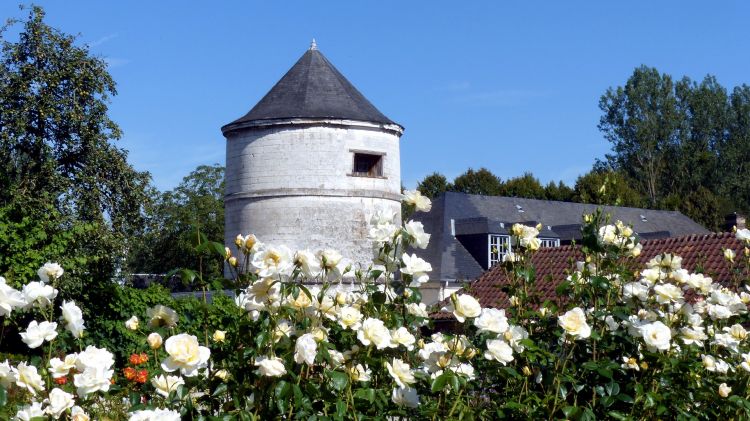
{"x":560,"y":191}
{"x":434,"y":185}
{"x":195,"y":206}
{"x":642,"y":121}
{"x":526,"y":186}
{"x":56,"y":142}
{"x":482,"y":181}
{"x":603,"y":187}
{"x":733,"y":175}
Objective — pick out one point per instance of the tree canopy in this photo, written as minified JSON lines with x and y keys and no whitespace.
{"x":56,"y":147}
{"x":175,"y":221}
{"x":683,"y":145}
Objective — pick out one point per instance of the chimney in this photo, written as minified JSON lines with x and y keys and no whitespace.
{"x":734,"y":220}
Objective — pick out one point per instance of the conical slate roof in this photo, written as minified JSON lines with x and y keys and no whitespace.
{"x":313,"y":88}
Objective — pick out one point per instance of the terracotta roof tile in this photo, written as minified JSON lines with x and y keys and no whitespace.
{"x":702,"y":253}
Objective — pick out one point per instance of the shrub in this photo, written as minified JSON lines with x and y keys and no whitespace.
{"x":627,"y":342}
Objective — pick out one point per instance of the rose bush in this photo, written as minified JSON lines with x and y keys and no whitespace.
{"x":311,"y":337}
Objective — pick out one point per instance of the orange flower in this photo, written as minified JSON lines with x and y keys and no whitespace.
{"x":61,"y":380}
{"x":129,"y":373}
{"x":142,"y":376}
{"x":138,"y":359}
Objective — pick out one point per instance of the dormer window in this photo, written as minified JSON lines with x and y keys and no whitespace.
{"x":367,"y":164}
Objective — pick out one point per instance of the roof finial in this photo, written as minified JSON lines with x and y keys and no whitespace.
{"x":313,"y":45}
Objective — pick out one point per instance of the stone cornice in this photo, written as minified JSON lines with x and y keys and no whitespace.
{"x":290,"y":192}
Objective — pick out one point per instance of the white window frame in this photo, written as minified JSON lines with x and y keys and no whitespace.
{"x":503,"y":246}
{"x":549,"y":242}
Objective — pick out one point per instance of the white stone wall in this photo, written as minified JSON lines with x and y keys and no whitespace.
{"x":292,"y":185}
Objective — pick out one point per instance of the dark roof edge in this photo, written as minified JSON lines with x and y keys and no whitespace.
{"x":575,"y":203}
{"x":394,"y":128}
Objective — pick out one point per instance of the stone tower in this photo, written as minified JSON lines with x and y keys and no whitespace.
{"x":309,"y":164}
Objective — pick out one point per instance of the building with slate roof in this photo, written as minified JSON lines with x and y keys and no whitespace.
{"x":470,"y":233}
{"x":704,"y":253}
{"x":310,"y":162}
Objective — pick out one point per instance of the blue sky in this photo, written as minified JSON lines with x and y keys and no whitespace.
{"x":511,"y":87}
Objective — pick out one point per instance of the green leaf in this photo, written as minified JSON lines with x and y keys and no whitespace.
{"x":612,"y":388}
{"x":3,"y":397}
{"x":220,"y":390}
{"x":438,"y":385}
{"x":365,"y":394}
{"x":338,"y":380}
{"x":617,"y":415}
{"x":570,"y":411}
{"x":282,"y":389}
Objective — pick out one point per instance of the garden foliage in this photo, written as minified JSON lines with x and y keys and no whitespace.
{"x":626,"y":342}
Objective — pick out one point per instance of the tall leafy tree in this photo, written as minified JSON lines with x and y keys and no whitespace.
{"x":482,"y":181}
{"x":434,"y":185}
{"x":734,"y":168}
{"x":526,"y":186}
{"x":560,"y":191}
{"x":642,"y":121}
{"x":56,"y":141}
{"x":606,"y":187}
{"x":194,"y":208}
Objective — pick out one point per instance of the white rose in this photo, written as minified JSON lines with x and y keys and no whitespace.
{"x":74,"y":318}
{"x":29,"y":412}
{"x":270,"y":366}
{"x":132,"y":323}
{"x":58,"y":402}
{"x":305,"y":349}
{"x":465,"y":306}
{"x":37,"y":333}
{"x":574,"y":323}
{"x":361,"y":373}
{"x":635,"y":290}
{"x":154,"y":415}
{"x":417,"y":268}
{"x":514,"y":335}
{"x":50,"y":270}
{"x":78,"y":414}
{"x":405,"y":396}
{"x":668,"y":293}
{"x":349,"y":318}
{"x":743,"y":234}
{"x":308,"y":263}
{"x":37,"y":294}
{"x":185,"y":354}
{"x":656,"y":335}
{"x":724,"y":390}
{"x":499,"y":350}
{"x":154,"y":340}
{"x":59,"y":368}
{"x":415,"y":229}
{"x":417,"y":309}
{"x":401,"y":372}
{"x":492,"y":320}
{"x":92,"y":379}
{"x":219,"y":336}
{"x":373,"y":331}
{"x":415,"y":198}
{"x":729,"y":254}
{"x":402,"y":336}
{"x":26,"y":377}
{"x":273,"y":261}
{"x":165,"y":385}
{"x":6,"y":374}
{"x":10,"y":298}
{"x":94,"y":357}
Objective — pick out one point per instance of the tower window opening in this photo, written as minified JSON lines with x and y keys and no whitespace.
{"x":368,"y":165}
